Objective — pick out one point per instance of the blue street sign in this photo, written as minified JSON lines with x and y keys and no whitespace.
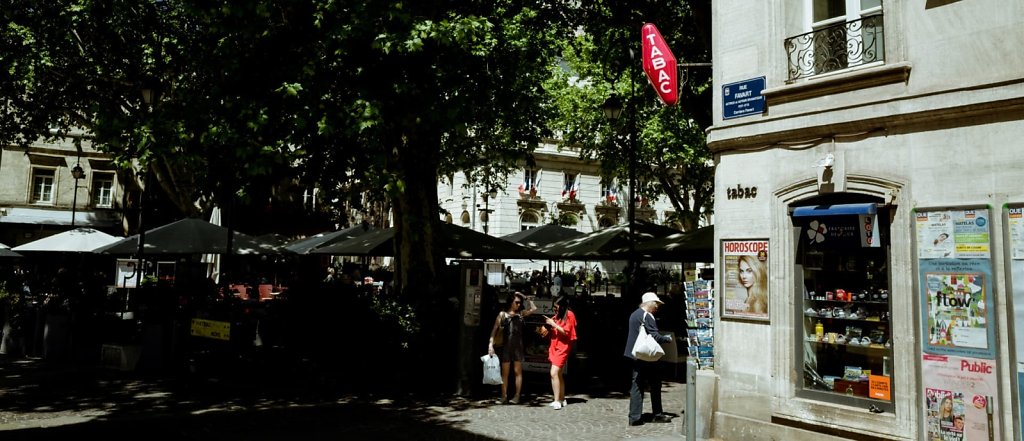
{"x":742,"y":98}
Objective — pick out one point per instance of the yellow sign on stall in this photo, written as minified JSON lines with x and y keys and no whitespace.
{"x":211,"y":329}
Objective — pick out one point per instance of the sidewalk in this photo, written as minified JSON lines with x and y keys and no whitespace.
{"x":43,"y":401}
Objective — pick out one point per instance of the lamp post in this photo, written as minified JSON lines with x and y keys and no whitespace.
{"x":485,"y":214}
{"x":149,"y":97}
{"x":612,"y":109}
{"x":76,"y":173}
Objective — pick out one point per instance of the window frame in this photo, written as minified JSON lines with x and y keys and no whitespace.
{"x":97,"y":178}
{"x":802,"y":271}
{"x":846,"y":17}
{"x":530,"y":178}
{"x":609,"y":189}
{"x":852,"y":12}
{"x":34,"y":186}
{"x":569,"y":180}
{"x":524,"y":225}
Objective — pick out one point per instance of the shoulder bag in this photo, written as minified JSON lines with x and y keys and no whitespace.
{"x":646,"y":348}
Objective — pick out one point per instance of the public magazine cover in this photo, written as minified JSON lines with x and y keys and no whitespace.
{"x":960,"y":398}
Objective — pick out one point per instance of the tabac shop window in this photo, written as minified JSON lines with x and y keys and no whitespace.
{"x":845,"y":343}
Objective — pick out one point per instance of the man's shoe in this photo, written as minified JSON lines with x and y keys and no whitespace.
{"x":556,"y":405}
{"x":636,"y":423}
{"x":662,"y":418}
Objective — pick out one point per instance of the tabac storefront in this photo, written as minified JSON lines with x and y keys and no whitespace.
{"x":888,"y":298}
{"x":868,"y":212}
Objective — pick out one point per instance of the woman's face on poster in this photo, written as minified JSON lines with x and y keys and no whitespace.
{"x":746,"y":274}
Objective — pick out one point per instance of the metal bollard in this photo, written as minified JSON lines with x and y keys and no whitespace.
{"x":691,"y":401}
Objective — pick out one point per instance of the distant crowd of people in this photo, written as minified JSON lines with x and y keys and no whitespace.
{"x":350,"y":276}
{"x":577,"y":281}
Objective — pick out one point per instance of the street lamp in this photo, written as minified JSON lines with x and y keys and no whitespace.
{"x":485,"y":214}
{"x":76,"y":173}
{"x":149,"y":97}
{"x":612,"y":109}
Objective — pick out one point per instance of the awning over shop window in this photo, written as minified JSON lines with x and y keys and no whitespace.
{"x":835,"y":210}
{"x":838,"y":226}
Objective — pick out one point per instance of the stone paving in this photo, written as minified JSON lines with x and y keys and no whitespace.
{"x":38,"y":401}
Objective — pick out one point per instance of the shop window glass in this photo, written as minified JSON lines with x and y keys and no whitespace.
{"x":845,"y":343}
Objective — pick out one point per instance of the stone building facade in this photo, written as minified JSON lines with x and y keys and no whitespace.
{"x":38,"y":189}
{"x":895,"y":123}
{"x":560,"y":185}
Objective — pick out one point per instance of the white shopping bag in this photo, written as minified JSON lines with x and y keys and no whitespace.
{"x":492,"y":369}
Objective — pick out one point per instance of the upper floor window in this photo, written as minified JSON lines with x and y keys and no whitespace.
{"x":531,"y":180}
{"x":570,"y":185}
{"x":843,"y":34}
{"x":42,"y":185}
{"x":103,"y":190}
{"x":610,"y":191}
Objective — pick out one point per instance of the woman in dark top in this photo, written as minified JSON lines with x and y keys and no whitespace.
{"x":510,"y":325}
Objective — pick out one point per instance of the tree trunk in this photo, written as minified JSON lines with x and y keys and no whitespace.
{"x":420,"y":271}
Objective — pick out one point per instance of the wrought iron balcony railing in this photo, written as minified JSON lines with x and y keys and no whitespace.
{"x":837,"y":47}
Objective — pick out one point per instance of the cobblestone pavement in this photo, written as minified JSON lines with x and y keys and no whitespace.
{"x":40,"y":401}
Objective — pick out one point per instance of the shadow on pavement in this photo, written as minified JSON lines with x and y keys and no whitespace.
{"x":40,"y":400}
{"x":44,"y":401}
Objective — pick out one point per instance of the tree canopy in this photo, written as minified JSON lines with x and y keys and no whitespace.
{"x":670,"y":143}
{"x":367,"y":100}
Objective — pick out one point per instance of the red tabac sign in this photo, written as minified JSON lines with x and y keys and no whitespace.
{"x":660,"y":65}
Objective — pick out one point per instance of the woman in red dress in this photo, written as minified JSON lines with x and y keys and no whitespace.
{"x":563,"y":336}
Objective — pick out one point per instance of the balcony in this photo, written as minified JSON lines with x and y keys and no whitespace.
{"x":530,"y":201}
{"x":837,"y":47}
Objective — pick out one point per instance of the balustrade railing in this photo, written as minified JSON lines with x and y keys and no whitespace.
{"x":837,"y":47}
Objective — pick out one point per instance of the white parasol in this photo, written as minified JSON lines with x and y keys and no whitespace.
{"x":79,"y":240}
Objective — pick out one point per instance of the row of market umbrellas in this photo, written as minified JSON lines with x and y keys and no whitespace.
{"x":196,"y":236}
